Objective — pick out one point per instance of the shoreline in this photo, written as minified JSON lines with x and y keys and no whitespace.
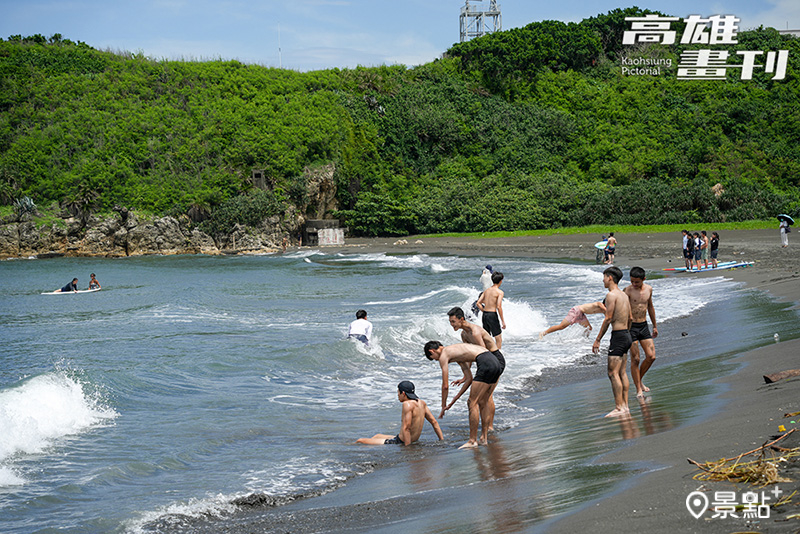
{"x":748,"y":413}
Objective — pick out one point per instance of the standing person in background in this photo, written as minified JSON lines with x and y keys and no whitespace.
{"x":688,"y":249}
{"x":704,"y":248}
{"x":714,"y":249}
{"x":686,"y":256}
{"x":491,"y":304}
{"x":784,"y":227}
{"x":611,"y":248}
{"x":361,"y":329}
{"x":698,"y":254}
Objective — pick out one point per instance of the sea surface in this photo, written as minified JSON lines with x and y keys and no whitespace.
{"x":191,"y":383}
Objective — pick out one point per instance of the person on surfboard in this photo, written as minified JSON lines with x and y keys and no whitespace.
{"x":93,"y":283}
{"x":72,"y":286}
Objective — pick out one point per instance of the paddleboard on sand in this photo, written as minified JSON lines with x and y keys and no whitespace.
{"x":59,"y":292}
{"x":601,"y":244}
{"x":681,"y":269}
{"x":724,"y":267}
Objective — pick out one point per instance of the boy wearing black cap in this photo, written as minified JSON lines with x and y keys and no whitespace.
{"x":412,"y":419}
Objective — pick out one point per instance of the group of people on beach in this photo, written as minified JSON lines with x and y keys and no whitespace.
{"x":73,"y":286}
{"x":699,"y":248}
{"x":625,"y":313}
{"x":480,"y":345}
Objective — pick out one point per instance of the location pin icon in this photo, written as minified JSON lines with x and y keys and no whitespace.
{"x":697,"y":503}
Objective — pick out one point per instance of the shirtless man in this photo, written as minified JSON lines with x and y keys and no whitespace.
{"x":491,"y":304}
{"x":640,"y":296}
{"x":481,"y":387}
{"x":472,"y":333}
{"x":577,"y":315}
{"x":618,"y":316}
{"x":412,"y":419}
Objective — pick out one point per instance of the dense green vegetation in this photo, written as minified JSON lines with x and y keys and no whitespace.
{"x":530,"y":128}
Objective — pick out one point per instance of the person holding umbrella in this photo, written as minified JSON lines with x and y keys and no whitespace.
{"x":786,"y":222}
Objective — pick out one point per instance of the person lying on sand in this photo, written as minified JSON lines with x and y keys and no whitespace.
{"x":412,"y":419}
{"x":577,"y":315}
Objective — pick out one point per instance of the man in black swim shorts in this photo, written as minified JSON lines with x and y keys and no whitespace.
{"x":618,"y":315}
{"x":489,"y":369}
{"x":415,"y":413}
{"x":491,"y":304}
{"x":472,"y":333}
{"x":640,"y":296}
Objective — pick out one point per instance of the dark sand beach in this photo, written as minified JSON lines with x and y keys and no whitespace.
{"x":706,"y":409}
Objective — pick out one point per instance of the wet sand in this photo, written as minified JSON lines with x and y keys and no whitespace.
{"x":642,"y":487}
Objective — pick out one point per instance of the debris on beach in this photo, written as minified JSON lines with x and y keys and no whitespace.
{"x":760,"y":472}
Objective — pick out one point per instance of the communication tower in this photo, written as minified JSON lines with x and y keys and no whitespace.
{"x":476,"y":22}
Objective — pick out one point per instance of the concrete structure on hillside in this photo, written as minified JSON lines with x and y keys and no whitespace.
{"x":475,"y":22}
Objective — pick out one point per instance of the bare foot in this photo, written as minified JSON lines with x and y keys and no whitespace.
{"x":645,"y":388}
{"x":541,"y":334}
{"x":640,"y":394}
{"x":469,"y":445}
{"x":618,"y":412}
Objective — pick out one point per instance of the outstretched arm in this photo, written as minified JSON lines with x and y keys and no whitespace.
{"x":466,"y":382}
{"x":443,"y":361}
{"x":434,"y":423}
{"x":652,"y":312}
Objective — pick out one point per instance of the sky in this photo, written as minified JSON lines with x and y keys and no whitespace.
{"x":319,"y":34}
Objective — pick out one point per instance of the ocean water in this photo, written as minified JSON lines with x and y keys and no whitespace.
{"x":191,"y":382}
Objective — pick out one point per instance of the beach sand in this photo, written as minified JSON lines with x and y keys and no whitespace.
{"x":729,"y":410}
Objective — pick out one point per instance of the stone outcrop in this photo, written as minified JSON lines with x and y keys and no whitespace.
{"x":127,"y":234}
{"x":321,"y":187}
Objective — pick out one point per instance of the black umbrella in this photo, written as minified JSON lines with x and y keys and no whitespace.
{"x":784,"y":217}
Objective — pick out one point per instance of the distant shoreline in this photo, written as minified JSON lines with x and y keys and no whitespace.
{"x":776,"y":269}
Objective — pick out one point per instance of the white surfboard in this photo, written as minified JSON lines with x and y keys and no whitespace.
{"x":59,"y":292}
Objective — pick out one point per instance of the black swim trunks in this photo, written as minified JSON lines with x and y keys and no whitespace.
{"x":489,"y":368}
{"x":491,"y":323}
{"x":394,"y":441}
{"x":501,"y":359}
{"x":640,"y":331}
{"x":620,"y":343}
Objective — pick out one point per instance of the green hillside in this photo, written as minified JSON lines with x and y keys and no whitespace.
{"x":529,"y":128}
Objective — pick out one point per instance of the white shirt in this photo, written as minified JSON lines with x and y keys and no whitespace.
{"x":486,"y":279}
{"x":361,"y":327}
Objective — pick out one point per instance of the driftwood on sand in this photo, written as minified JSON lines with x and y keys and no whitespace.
{"x":769,"y":379}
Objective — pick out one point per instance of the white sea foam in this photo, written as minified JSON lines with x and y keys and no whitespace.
{"x":418,"y":298}
{"x":37,"y":413}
